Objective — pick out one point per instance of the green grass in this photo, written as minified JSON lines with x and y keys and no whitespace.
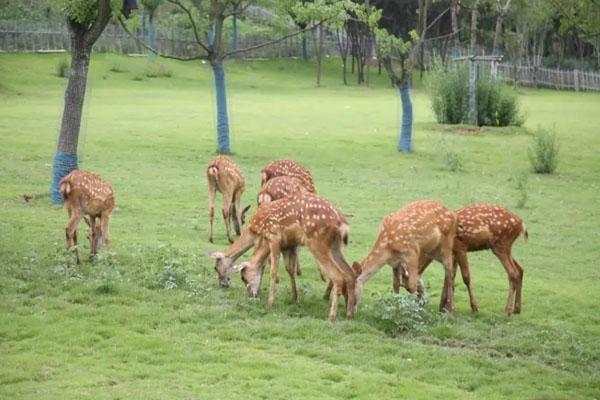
{"x":111,"y":330}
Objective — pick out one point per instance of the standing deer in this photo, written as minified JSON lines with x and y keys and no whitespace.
{"x":89,"y":197}
{"x":483,"y":227}
{"x":288,"y":168}
{"x":420,"y":230}
{"x":225,"y":176}
{"x":309,"y":220}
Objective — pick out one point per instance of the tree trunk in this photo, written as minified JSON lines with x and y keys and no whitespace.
{"x":319,"y":53}
{"x":455,"y":38}
{"x":65,"y":159}
{"x":222,"y":116}
{"x":151,"y":37}
{"x":304,"y":49}
{"x":234,"y":34}
{"x":474,"y":18}
{"x":405,"y":141}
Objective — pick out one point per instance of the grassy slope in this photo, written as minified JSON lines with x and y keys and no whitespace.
{"x":107,"y":332}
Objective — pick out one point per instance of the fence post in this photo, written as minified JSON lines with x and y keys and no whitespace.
{"x":576,"y":80}
{"x":473,"y":92}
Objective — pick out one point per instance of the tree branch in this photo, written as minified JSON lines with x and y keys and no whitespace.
{"x":198,"y":57}
{"x":104,"y":12}
{"x":191,"y":18}
{"x":237,"y":9}
{"x":261,"y":45}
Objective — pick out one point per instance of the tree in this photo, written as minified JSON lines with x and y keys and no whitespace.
{"x":206,"y":21}
{"x":392,"y":24}
{"x":151,"y":6}
{"x":86,"y":20}
{"x":501,"y":9}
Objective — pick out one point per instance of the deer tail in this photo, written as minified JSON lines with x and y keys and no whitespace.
{"x":524,"y":232}
{"x":344,"y":232}
{"x":212,"y":170}
{"x":65,"y":188}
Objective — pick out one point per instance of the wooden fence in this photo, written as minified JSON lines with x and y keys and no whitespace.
{"x":549,"y":77}
{"x":20,"y":36}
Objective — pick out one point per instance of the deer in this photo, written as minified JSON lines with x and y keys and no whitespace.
{"x":487,"y":227}
{"x":225,"y":176}
{"x":275,"y":189}
{"x":302,"y":220}
{"x":420,"y":230}
{"x":87,"y":196}
{"x":288,"y":168}
{"x":279,"y":187}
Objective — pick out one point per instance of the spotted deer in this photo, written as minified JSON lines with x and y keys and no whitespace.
{"x":420,"y":230}
{"x":288,"y":168}
{"x":89,"y":197}
{"x":302,"y":220}
{"x":224,"y":260}
{"x":225,"y":176}
{"x":278,"y":188}
{"x":488,"y":227}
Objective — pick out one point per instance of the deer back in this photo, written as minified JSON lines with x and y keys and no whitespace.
{"x":418,"y":226}
{"x":225,"y":174}
{"x":297,"y":219}
{"x":279,"y":188}
{"x":482,"y":226}
{"x":288,"y":168}
{"x":88,"y":191}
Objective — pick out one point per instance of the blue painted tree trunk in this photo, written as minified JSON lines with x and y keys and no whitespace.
{"x":222,"y":116}
{"x":405,"y":141}
{"x":304,"y":49}
{"x":151,"y":38}
{"x":234,"y":34}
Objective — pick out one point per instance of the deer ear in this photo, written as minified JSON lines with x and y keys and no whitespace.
{"x":357,"y":268}
{"x":246,"y":209}
{"x":215,"y":254}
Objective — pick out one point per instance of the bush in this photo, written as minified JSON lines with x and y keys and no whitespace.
{"x":157,"y":71}
{"x":449,"y":159}
{"x":62,"y":68}
{"x":497,"y":104}
{"x":402,"y":313}
{"x":543,"y":152}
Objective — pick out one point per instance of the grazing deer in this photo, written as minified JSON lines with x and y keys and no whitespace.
{"x":483,"y":227}
{"x":89,"y":197}
{"x":279,"y":188}
{"x":420,"y":230}
{"x":224,"y":260}
{"x":288,"y":168}
{"x":225,"y":176}
{"x":305,"y":219}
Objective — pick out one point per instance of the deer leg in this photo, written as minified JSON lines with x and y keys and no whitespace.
{"x":447,"y":297}
{"x":227,"y":216}
{"x":517,"y":309}
{"x":212,"y":191}
{"x":89,"y":221}
{"x":289,"y":257}
{"x":460,"y":257}
{"x":397,"y":271}
{"x":327,"y":293}
{"x":71,"y":236}
{"x":275,"y":251}
{"x":513,"y":277}
{"x":237,"y":215}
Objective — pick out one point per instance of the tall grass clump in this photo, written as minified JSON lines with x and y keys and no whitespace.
{"x":398,"y":314}
{"x":157,"y":71}
{"x":543,"y":152}
{"x":62,"y":68}
{"x":497,"y":104}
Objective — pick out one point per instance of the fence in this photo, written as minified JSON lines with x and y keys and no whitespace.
{"x":550,"y":78}
{"x":25,"y":36}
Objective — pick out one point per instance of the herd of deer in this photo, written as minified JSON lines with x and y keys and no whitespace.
{"x":291,"y":214}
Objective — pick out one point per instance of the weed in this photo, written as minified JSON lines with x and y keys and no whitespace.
{"x":544,"y":151}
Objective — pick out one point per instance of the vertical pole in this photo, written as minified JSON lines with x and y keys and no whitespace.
{"x":234,"y":35}
{"x":222,"y":116}
{"x":405,"y":142}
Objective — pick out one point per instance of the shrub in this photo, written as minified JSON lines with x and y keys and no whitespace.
{"x":449,"y":159}
{"x":521,"y":186}
{"x":157,"y":71}
{"x":543,"y":152}
{"x":62,"y":68}
{"x":497,"y":104}
{"x":401,"y":313}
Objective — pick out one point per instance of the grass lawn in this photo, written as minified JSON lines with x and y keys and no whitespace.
{"x":114,"y":330}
